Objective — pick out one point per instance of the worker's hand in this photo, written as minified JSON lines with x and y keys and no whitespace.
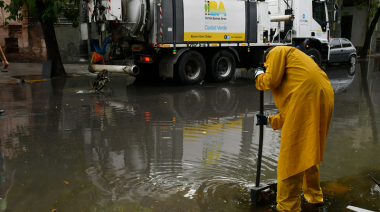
{"x":262,"y":119}
{"x":259,"y":71}
{"x":6,"y":64}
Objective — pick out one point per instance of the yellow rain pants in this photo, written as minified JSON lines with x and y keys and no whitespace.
{"x":303,"y":94}
{"x":288,"y":194}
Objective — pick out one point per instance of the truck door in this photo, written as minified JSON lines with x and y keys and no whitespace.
{"x":336,"y":51}
{"x":304,"y":18}
{"x":319,"y":21}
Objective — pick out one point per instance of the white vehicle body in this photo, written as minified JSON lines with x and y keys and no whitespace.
{"x":160,"y":32}
{"x":304,"y":23}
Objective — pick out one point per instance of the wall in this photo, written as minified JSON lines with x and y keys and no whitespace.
{"x":68,"y":42}
{"x":37,"y":47}
{"x":24,"y":41}
{"x":358,"y":24}
{"x":21,"y":41}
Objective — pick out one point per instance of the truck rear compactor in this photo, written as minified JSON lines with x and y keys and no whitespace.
{"x":193,"y":40}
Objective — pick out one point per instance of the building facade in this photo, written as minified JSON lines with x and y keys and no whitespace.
{"x":23,"y":41}
{"x":353,"y":24}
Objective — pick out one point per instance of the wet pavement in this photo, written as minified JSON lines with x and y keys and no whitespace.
{"x":160,"y":147}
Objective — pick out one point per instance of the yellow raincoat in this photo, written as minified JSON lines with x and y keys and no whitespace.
{"x":304,"y":95}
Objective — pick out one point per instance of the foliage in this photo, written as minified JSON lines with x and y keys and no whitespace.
{"x":373,"y":6}
{"x":53,"y":9}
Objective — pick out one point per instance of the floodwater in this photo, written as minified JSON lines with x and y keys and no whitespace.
{"x":161,"y":147}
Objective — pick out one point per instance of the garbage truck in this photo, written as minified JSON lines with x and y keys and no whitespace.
{"x":195,"y":40}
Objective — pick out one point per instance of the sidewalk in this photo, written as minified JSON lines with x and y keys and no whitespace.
{"x":17,"y":70}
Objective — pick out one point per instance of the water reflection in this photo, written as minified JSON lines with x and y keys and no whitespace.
{"x":7,"y":174}
{"x":186,"y":144}
{"x":341,"y":77}
{"x":157,"y":147}
{"x":351,"y":148}
{"x":138,"y":144}
{"x":366,"y":87}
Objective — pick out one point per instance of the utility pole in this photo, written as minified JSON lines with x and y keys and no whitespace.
{"x":83,"y":45}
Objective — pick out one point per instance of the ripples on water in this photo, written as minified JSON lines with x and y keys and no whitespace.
{"x":168,"y":143}
{"x":143,"y":143}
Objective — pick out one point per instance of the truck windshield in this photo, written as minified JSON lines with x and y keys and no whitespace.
{"x":319,"y":11}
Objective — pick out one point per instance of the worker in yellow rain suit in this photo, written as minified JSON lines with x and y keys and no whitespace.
{"x":304,"y":95}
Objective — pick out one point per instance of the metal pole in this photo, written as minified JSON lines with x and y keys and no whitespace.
{"x":256,"y":195}
{"x":261,"y":138}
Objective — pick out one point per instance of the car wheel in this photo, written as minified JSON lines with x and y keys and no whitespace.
{"x":352,"y":60}
{"x":191,"y":68}
{"x":314,"y":53}
{"x":221,"y":67}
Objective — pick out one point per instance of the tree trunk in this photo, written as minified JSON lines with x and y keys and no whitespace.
{"x":52,"y":48}
{"x":367,"y":42}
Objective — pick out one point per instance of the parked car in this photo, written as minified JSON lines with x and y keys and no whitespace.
{"x":342,"y":50}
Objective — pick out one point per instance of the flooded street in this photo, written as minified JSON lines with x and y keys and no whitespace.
{"x":162,"y":147}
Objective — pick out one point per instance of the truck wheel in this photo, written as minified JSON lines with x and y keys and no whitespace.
{"x":221,"y":67}
{"x":314,"y":53}
{"x":191,"y":68}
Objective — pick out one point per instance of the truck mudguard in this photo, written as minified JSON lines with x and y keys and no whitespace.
{"x":304,"y":44}
{"x":166,"y":66}
{"x":236,"y":53}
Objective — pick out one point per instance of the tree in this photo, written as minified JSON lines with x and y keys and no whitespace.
{"x":47,"y":12}
{"x":373,"y":12}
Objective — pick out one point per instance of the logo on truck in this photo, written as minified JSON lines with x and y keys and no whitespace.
{"x":216,"y":24}
{"x":211,"y":8}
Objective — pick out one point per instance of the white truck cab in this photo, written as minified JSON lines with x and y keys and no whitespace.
{"x":311,"y":25}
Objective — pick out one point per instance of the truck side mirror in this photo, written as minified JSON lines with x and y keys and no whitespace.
{"x":336,"y":12}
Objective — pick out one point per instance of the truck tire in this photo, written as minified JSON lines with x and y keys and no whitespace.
{"x":221,"y":67}
{"x":190,"y":68}
{"x":314,"y":53}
